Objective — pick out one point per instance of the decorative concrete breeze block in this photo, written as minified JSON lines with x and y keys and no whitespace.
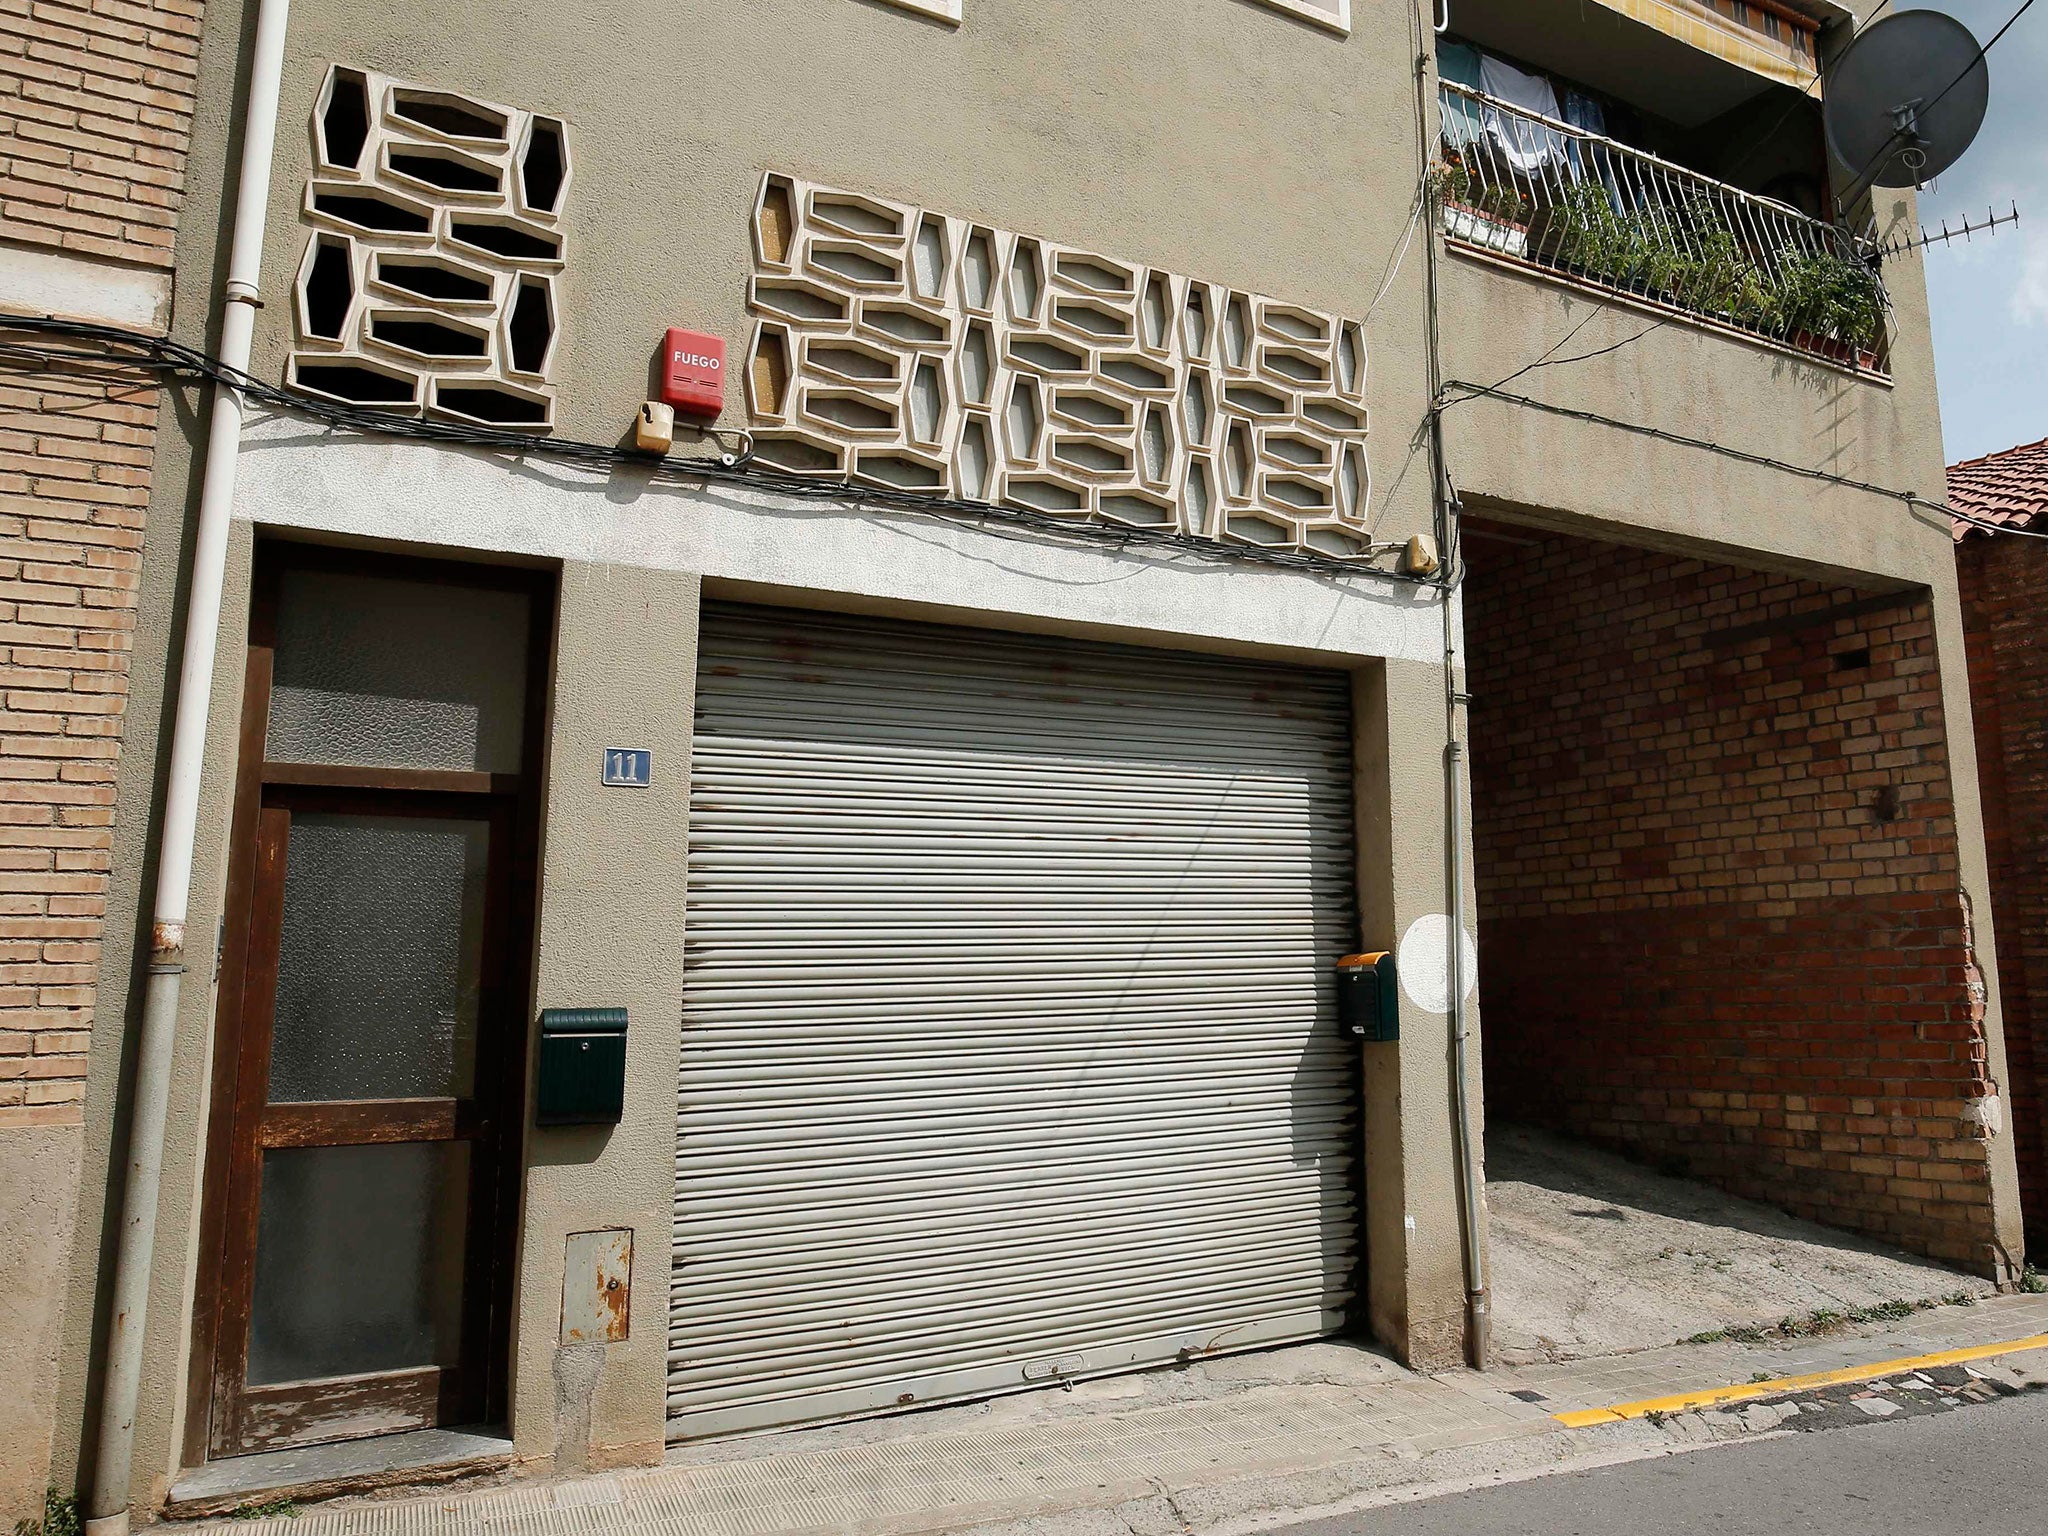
{"x":428,"y":278}
{"x":900,"y":347}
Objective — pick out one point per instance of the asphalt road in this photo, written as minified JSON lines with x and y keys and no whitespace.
{"x":1981,"y":1469}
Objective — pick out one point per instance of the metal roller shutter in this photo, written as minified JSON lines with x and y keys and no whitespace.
{"x":1008,"y":1049}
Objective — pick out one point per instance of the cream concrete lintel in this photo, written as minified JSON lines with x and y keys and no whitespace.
{"x":38,"y":281}
{"x":909,"y":563}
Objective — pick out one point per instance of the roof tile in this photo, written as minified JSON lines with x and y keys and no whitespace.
{"x":2009,"y":488}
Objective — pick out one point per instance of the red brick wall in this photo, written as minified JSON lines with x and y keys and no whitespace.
{"x":74,"y":469}
{"x":95,"y":113}
{"x":95,"y":109}
{"x":1720,"y":917}
{"x":2005,"y":594}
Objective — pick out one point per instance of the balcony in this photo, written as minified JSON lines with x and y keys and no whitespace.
{"x":1535,"y":191}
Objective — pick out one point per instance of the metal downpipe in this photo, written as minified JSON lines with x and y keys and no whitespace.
{"x":1447,"y":510}
{"x":1478,"y":1307}
{"x":135,"y":1249}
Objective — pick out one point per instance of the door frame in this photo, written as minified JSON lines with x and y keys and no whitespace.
{"x":234,"y":1096}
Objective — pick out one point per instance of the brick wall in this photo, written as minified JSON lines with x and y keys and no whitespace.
{"x":2005,"y":591}
{"x":1720,"y":917}
{"x":74,"y":460}
{"x":95,"y":108}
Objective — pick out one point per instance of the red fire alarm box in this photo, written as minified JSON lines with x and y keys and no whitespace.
{"x":693,"y":372}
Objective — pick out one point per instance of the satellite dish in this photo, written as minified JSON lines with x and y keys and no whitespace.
{"x":1905,"y":99}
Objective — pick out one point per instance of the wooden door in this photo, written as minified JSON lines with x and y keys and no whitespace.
{"x":373,"y":1002}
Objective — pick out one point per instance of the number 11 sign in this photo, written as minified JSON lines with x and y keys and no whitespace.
{"x":628,"y":767}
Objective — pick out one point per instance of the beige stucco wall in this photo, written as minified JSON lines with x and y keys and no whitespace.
{"x":174,"y":484}
{"x":1415,"y":1294}
{"x":1685,"y":380}
{"x":1223,"y":139}
{"x":38,"y":1188}
{"x":611,"y":935}
{"x":1052,"y":165}
{"x":167,"y":1329}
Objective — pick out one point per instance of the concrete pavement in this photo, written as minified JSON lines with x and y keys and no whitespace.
{"x":1215,"y":1445}
{"x":1977,"y":1468}
{"x":1594,"y":1254}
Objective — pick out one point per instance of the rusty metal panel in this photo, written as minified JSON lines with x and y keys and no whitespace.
{"x":597,"y":1287}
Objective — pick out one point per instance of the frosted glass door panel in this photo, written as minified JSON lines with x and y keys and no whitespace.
{"x":382,"y":672}
{"x":359,"y":1257}
{"x":380,"y":957}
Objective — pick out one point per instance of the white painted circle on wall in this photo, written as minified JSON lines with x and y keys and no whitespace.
{"x":1424,"y":960}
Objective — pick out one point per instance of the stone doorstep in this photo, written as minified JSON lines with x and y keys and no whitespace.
{"x":416,"y":1458}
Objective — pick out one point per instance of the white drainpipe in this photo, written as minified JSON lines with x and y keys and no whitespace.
{"x":121,"y":1385}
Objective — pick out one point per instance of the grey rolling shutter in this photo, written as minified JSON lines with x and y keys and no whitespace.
{"x":1008,"y":1048}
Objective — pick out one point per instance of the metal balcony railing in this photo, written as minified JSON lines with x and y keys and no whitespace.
{"x":1537,"y":190}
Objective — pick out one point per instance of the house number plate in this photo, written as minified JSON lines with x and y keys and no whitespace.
{"x":629,"y":767}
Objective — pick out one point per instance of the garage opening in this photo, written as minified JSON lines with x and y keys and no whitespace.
{"x":1722,"y":930}
{"x":1009,"y":1050}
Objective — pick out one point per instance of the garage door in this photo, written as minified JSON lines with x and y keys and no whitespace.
{"x":1008,"y":1049}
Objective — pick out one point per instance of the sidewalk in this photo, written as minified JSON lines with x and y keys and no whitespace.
{"x":1215,"y":1445}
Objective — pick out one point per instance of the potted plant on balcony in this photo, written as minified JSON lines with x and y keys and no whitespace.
{"x":1588,"y":236}
{"x":1495,"y":218}
{"x":1830,"y":306}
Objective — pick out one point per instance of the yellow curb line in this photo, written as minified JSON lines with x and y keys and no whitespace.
{"x":1680,"y":1402}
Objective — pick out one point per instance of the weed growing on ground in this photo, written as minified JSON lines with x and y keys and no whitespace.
{"x":1820,"y":1320}
{"x":2033,"y":1281}
{"x":60,"y":1517}
{"x":1886,"y":1311}
{"x":1825,"y":1320}
{"x":285,"y":1509}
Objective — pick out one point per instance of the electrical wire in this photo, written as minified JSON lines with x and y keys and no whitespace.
{"x":1415,"y":214}
{"x":1865,"y":175}
{"x":1742,"y":455}
{"x":1550,"y":359}
{"x":1469,"y":391}
{"x":118,"y":347}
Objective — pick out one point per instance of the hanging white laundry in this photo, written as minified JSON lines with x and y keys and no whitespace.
{"x":1528,"y":147}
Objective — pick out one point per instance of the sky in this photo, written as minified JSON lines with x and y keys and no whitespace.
{"x":1989,"y":297}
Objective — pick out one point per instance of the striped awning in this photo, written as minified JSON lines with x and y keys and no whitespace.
{"x":1773,"y":38}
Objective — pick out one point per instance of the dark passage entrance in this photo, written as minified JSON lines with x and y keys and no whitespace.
{"x":1721,"y":920}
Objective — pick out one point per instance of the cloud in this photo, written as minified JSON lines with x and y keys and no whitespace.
{"x":2029,"y":302}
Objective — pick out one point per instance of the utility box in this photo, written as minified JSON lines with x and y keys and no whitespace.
{"x":693,"y":372}
{"x":1369,"y":997}
{"x":582,"y":1076}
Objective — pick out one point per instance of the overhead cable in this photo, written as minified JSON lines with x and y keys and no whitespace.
{"x":1867,"y":174}
{"x":117,"y":346}
{"x":1725,"y":450}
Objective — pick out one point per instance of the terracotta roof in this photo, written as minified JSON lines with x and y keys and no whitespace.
{"x":2009,"y":487}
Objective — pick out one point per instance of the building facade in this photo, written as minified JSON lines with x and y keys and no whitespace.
{"x":96,"y":107}
{"x":845,"y":915}
{"x":2000,"y":562}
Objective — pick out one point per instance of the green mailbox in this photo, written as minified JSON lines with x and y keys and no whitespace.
{"x":1369,"y":997}
{"x":582,"y":1079}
